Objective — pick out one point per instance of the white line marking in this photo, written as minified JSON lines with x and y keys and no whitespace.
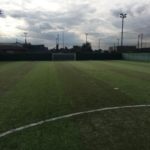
{"x":67,"y":116}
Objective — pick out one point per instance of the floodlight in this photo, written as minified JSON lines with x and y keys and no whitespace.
{"x":122,"y":16}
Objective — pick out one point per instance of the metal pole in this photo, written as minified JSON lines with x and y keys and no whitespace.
{"x":118,"y":42}
{"x":122,"y":33}
{"x":58,"y":41}
{"x":99,"y":44}
{"x":16,"y":41}
{"x":25,"y":33}
{"x":86,"y":41}
{"x":63,"y":39}
{"x":122,"y":16}
{"x":141,"y":39}
{"x":114,"y":46}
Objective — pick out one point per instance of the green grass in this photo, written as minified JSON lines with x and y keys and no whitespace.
{"x":35,"y":91}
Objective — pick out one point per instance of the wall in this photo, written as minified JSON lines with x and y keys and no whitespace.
{"x":98,"y":56}
{"x":48,"y":56}
{"x":136,"y":56}
{"x":15,"y":57}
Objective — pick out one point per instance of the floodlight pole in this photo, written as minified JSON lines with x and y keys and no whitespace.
{"x":56,"y":43}
{"x":141,"y":39}
{"x":63,"y":39}
{"x":25,"y":33}
{"x":86,"y":41}
{"x":122,"y":16}
{"x":58,"y":40}
{"x":0,"y":12}
{"x":118,"y":42}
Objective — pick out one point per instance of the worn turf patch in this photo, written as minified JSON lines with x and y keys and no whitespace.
{"x":135,"y":88}
{"x":9,"y":78}
{"x":127,"y":72}
{"x":116,"y":129}
{"x":3,"y":63}
{"x":136,"y":64}
{"x":86,"y":92}
{"x":10,"y":65}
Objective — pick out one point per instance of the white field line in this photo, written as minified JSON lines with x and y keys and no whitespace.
{"x":67,"y":116}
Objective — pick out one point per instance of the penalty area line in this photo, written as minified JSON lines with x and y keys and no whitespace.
{"x":67,"y":116}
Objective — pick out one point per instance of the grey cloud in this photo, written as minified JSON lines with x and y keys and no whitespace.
{"x":141,"y":9}
{"x":116,"y":12}
{"x":131,"y":9}
{"x":61,"y":28}
{"x":70,"y":38}
{"x":31,"y":28}
{"x":18,"y":15}
{"x":3,"y":13}
{"x":37,"y":27}
{"x":66,"y":20}
{"x":13,"y":13}
{"x":74,"y":16}
{"x":46,"y":25}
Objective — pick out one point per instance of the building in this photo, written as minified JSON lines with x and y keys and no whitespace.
{"x":11,"y":47}
{"x":122,"y":49}
{"x":126,"y":49}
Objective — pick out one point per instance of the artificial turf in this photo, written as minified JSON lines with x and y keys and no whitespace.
{"x":35,"y":91}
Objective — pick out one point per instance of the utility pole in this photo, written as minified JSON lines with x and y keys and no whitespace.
{"x":63,"y":38}
{"x":118,"y":41}
{"x":0,"y":12}
{"x":86,"y":41}
{"x":139,"y":41}
{"x":122,"y":16}
{"x":16,"y":41}
{"x":25,"y":33}
{"x":58,"y":40}
{"x":114,"y":46}
{"x":99,"y":44}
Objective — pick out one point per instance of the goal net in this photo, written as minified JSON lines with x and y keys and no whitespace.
{"x":63,"y":56}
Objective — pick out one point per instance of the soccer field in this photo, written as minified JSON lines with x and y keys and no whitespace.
{"x":107,"y":103}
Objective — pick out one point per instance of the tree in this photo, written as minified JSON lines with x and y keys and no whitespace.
{"x":86,"y":47}
{"x":76,"y":48}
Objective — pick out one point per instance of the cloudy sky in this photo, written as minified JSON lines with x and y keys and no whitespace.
{"x":43,"y":20}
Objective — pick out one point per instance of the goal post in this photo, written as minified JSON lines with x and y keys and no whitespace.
{"x":63,"y":56}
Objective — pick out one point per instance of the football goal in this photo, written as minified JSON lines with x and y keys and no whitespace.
{"x":63,"y":56}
